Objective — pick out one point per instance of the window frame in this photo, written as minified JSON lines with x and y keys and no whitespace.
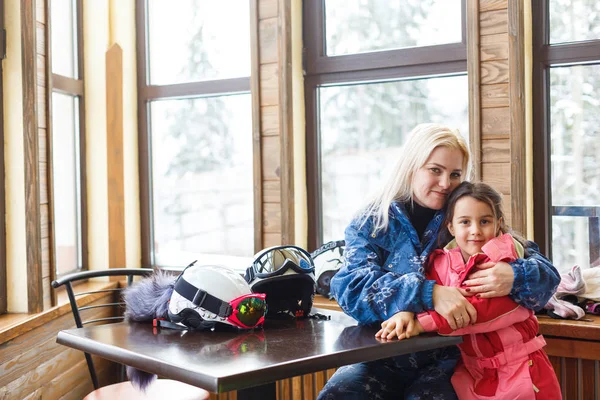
{"x":72,"y":87}
{"x":443,"y":60}
{"x":546,"y":55}
{"x":148,"y":93}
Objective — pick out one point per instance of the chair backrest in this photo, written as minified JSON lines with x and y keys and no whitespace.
{"x":80,"y":314}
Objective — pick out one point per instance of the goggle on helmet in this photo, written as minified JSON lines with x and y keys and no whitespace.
{"x":206,"y":295}
{"x":286,"y":274}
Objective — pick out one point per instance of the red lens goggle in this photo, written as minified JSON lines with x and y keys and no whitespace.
{"x":248,"y":311}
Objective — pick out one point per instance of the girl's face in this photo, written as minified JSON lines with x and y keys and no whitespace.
{"x":437,"y":178}
{"x":473,"y":225}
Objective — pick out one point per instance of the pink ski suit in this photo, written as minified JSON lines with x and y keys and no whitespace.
{"x":502,"y":356}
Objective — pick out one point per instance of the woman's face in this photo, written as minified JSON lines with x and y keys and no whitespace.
{"x":438,"y":177}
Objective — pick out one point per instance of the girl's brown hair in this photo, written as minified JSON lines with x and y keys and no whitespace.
{"x":482,"y":192}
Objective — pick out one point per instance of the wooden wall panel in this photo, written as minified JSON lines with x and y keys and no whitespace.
{"x":492,"y":22}
{"x":30,"y":77}
{"x":497,"y":134}
{"x":270,"y":121}
{"x":33,"y":365}
{"x":271,"y":159}
{"x":576,"y":364}
{"x":272,"y":218}
{"x":271,"y":191}
{"x":495,"y":151}
{"x":490,"y":5}
{"x":494,"y":95}
{"x":271,"y":239}
{"x":42,"y":120}
{"x":518,"y":109}
{"x":268,"y":45}
{"x":114,"y":158}
{"x":271,"y":34}
{"x":495,"y":123}
{"x":494,"y":47}
{"x":267,"y":9}
{"x":269,"y":85}
{"x":496,"y":175}
{"x":494,"y":72}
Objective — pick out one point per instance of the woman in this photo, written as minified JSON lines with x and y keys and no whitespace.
{"x":387,"y":245}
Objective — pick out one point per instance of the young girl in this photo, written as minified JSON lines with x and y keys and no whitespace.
{"x":501,"y":354}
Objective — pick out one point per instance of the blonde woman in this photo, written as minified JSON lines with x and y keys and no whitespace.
{"x":387,"y":245}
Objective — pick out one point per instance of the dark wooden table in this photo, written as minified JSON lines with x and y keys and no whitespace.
{"x":249,"y":362}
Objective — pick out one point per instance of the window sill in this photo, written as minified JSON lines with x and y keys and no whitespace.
{"x":14,"y":325}
{"x":564,"y":328}
{"x":571,"y":329}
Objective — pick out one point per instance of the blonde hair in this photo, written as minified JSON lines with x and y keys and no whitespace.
{"x":421,"y":142}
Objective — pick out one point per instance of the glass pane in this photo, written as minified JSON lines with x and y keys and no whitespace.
{"x":362,"y":128}
{"x":66,"y":182}
{"x":372,"y":25}
{"x":574,"y":20}
{"x":64,"y":38}
{"x":202,"y":181}
{"x":197,"y":40}
{"x":575,"y":137}
{"x":575,"y":157}
{"x":570,"y":243}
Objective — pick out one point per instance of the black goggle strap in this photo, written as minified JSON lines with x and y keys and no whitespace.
{"x":250,"y":274}
{"x":328,"y":246}
{"x":163,"y":323}
{"x":203,"y":299}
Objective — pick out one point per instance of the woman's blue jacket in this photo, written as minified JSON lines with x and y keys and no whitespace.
{"x":383,"y":273}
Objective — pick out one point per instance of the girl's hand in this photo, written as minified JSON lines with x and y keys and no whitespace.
{"x":450,"y":303}
{"x":491,"y":280}
{"x":402,"y":325}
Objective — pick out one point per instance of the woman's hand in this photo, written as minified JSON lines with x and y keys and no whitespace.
{"x":491,"y":280}
{"x":402,"y":325}
{"x":450,"y":303}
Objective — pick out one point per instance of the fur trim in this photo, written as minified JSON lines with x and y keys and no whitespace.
{"x":140,"y":380}
{"x":144,"y":301}
{"x":149,"y":298}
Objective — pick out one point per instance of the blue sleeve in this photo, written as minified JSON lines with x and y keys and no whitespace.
{"x":369,"y":293}
{"x":536,"y":279}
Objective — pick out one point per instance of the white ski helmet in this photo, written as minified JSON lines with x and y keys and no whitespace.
{"x":286,"y":274}
{"x":328,"y":259}
{"x":208,"y":294}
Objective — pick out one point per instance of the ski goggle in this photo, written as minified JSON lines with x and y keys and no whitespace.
{"x":278,"y":260}
{"x":247,"y":311}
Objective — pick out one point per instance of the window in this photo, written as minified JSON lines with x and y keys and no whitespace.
{"x":67,"y":136}
{"x":566,"y":138}
{"x":374,"y":70}
{"x":195,"y":132}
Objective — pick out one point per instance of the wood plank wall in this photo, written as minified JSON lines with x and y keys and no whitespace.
{"x":34,"y":366}
{"x":114,"y":159}
{"x":494,"y":88}
{"x":272,"y":64}
{"x":576,"y":363}
{"x":43,"y":127}
{"x":33,"y":195}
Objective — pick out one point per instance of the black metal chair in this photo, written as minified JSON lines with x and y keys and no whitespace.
{"x":82,"y":316}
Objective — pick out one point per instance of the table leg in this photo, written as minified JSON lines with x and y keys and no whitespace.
{"x":263,"y":392}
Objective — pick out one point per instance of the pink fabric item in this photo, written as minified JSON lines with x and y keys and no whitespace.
{"x":564,"y":308}
{"x":571,"y":283}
